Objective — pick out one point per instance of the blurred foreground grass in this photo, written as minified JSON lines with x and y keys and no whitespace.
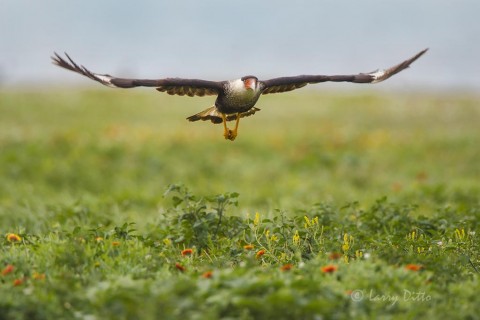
{"x":301,"y":148}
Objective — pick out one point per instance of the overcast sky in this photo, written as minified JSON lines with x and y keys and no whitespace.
{"x":227,"y":39}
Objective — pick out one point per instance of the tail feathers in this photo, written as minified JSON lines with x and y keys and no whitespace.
{"x":211,"y":114}
{"x":215,"y":116}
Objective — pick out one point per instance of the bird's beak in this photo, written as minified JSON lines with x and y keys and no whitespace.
{"x":250,"y":84}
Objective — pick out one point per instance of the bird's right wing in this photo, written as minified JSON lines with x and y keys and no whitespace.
{"x":173,"y":86}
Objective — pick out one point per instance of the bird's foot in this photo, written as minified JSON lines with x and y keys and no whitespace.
{"x":230,"y":134}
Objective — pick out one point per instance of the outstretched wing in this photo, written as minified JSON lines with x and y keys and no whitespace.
{"x":291,"y":83}
{"x":178,"y":86}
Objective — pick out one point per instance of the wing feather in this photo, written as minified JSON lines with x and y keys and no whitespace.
{"x":173,"y":86}
{"x":285,"y":84}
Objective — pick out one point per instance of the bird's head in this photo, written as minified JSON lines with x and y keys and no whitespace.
{"x":250,"y":82}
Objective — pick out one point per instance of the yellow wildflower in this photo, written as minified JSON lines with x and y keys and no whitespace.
{"x":256,"y":221}
{"x":296,"y":238}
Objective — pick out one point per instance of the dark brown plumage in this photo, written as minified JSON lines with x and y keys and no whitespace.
{"x":235,"y":98}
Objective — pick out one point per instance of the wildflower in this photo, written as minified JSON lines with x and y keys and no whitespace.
{"x":207,"y":274}
{"x":296,"y":238}
{"x":412,"y":236}
{"x":274,"y":238}
{"x":260,"y":253}
{"x":12,"y":237}
{"x":347,"y":242}
{"x":99,"y":239}
{"x":310,"y":222}
{"x":286,"y":267}
{"x":167,"y":241}
{"x":307,"y":223}
{"x":329,"y":268}
{"x":256,"y":221}
{"x":187,"y":252}
{"x":334,"y":255}
{"x":180,"y":267}
{"x":414,"y":267}
{"x":115,"y":243}
{"x":460,"y":234}
{"x":8,"y":269}
{"x":38,"y":276}
{"x":248,"y":247}
{"x":17,"y":282}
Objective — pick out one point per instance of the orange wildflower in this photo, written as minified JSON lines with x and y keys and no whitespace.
{"x":260,"y":253}
{"x":286,"y":267}
{"x":8,"y":269}
{"x":12,"y":237}
{"x":248,"y":247}
{"x":414,"y":267}
{"x":115,"y":243}
{"x":187,"y":252}
{"x":17,"y":282}
{"x":329,"y":268}
{"x":180,"y":267}
{"x":334,"y":255}
{"x":207,"y":274}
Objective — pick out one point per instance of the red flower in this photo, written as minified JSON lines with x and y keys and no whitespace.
{"x":180,"y":267}
{"x":17,"y":282}
{"x":187,"y":252}
{"x":8,"y":269}
{"x":286,"y":267}
{"x":260,"y":253}
{"x":329,"y":268}
{"x":414,"y":267}
{"x":207,"y":275}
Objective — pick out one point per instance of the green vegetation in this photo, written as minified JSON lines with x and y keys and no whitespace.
{"x":334,"y":205}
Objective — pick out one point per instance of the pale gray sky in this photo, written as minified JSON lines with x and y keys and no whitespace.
{"x":227,"y":39}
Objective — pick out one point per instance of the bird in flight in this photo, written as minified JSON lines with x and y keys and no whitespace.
{"x":235,"y":98}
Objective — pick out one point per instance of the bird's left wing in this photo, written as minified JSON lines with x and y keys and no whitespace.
{"x":291,"y":83}
{"x":178,"y":86}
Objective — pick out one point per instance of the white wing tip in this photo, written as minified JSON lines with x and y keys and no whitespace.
{"x":377,"y":75}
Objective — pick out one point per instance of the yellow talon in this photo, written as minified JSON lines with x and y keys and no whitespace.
{"x":228,"y":133}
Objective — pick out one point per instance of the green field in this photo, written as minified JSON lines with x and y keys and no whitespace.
{"x":105,"y":188}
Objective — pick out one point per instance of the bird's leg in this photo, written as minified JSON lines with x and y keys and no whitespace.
{"x":226,"y":132}
{"x":234,"y":131}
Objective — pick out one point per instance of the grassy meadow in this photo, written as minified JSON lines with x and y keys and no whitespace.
{"x":336,"y":204}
